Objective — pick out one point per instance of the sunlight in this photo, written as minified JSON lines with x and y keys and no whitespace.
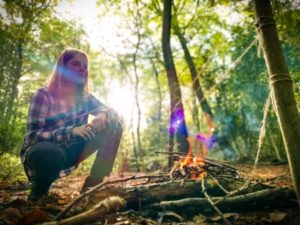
{"x":121,"y":98}
{"x":104,"y":33}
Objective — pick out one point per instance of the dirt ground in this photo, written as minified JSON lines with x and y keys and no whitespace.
{"x":15,"y":209}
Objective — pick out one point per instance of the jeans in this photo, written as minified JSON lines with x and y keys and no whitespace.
{"x":46,"y":159}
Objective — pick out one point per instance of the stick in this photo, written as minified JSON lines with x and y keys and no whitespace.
{"x":213,"y":204}
{"x":229,"y":194}
{"x":271,"y":198}
{"x":109,"y":205}
{"x":94,"y":189}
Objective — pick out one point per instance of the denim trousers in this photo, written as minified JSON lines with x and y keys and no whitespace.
{"x":47,"y":159}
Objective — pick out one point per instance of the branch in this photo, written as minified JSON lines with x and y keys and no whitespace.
{"x":109,"y":205}
{"x":94,"y":189}
{"x":213,"y":204}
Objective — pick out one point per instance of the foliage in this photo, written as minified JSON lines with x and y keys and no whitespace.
{"x":32,"y":37}
{"x":11,"y":168}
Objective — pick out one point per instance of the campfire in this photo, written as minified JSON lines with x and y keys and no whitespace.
{"x":195,"y":183}
{"x":195,"y":168}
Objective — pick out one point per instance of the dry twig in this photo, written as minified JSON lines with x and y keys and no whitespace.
{"x":213,"y":204}
{"x":97,"y":187}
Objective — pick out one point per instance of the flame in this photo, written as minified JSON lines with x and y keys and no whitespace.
{"x":194,"y":166}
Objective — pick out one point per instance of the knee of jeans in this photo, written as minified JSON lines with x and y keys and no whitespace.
{"x":46,"y":154}
{"x":115,"y":125}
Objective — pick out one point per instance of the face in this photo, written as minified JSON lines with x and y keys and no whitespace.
{"x":76,"y":69}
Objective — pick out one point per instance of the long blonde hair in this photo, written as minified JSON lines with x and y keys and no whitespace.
{"x":61,"y":87}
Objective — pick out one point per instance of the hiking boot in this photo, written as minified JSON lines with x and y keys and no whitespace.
{"x":89,"y":183}
{"x":38,"y":191}
{"x":35,"y":195}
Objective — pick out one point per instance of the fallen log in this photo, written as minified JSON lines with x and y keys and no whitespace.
{"x":138,"y":196}
{"x":109,"y":205}
{"x":272,"y":198}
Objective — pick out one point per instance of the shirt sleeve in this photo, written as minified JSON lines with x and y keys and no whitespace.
{"x":37,"y":127}
{"x":95,"y":106}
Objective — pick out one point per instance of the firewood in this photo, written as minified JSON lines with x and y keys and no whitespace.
{"x":109,"y":205}
{"x":275,"y":197}
{"x":170,"y":190}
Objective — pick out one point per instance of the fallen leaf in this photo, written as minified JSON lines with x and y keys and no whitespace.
{"x":233,"y":216}
{"x":11,"y":215}
{"x":277,"y":216}
{"x":34,"y":216}
{"x":61,"y":202}
{"x":200,"y":219}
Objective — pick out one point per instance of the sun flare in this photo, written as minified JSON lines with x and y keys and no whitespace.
{"x":121,"y":98}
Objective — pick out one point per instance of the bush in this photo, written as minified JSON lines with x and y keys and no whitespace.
{"x":11,"y":168}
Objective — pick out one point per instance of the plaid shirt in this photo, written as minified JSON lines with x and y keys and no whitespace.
{"x":49,"y":120}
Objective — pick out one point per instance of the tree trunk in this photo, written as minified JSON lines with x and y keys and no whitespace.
{"x":177,"y":119}
{"x":281,"y":84}
{"x":136,"y":156}
{"x":137,"y":81}
{"x":195,"y":80}
{"x":195,"y":112}
{"x":275,"y":147}
{"x":159,"y":93}
{"x":222,"y":139}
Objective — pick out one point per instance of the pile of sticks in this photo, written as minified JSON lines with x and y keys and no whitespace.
{"x":203,"y":185}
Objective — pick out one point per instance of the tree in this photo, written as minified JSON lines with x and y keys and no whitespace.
{"x":281,"y":84}
{"x":18,"y":25}
{"x":177,"y":120}
{"x":29,"y":54}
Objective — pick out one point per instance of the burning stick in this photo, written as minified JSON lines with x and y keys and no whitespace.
{"x":210,"y":166}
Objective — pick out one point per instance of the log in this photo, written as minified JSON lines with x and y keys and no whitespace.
{"x":272,"y":198}
{"x":109,"y":205}
{"x":137,"y":196}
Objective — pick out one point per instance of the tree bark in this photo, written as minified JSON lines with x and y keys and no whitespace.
{"x":223,"y":140}
{"x":109,"y":205}
{"x":275,"y":198}
{"x":189,"y":60}
{"x":177,"y":120}
{"x":156,"y":74}
{"x":137,"y":81}
{"x":138,"y":196}
{"x":281,"y":84}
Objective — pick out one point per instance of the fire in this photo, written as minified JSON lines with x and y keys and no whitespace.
{"x":192,"y":166}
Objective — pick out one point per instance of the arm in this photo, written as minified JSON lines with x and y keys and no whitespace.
{"x":95,"y":106}
{"x":101,"y":112}
{"x":37,"y":127}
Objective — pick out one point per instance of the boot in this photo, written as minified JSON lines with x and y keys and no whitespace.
{"x":89,"y":183}
{"x":38,"y":191}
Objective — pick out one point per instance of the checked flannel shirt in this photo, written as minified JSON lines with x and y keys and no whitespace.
{"x":49,"y":120}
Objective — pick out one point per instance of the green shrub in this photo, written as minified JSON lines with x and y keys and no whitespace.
{"x":11,"y":168}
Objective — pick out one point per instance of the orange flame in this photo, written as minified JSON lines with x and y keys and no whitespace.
{"x":194,"y":164}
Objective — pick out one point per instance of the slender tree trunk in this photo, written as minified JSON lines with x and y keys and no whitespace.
{"x":137,"y":164}
{"x":284,"y":102}
{"x":195,"y":81}
{"x":195,"y":112}
{"x":158,"y":92}
{"x":177,"y":119}
{"x":222,"y":139}
{"x":137,"y":81}
{"x":275,"y":147}
{"x":10,"y":109}
{"x":136,"y":155}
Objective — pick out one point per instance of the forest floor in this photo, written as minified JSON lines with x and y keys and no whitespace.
{"x":15,"y":209}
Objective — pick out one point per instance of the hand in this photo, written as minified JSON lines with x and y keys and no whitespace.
{"x":112,"y":116}
{"x":83,"y":131}
{"x":98,"y":122}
